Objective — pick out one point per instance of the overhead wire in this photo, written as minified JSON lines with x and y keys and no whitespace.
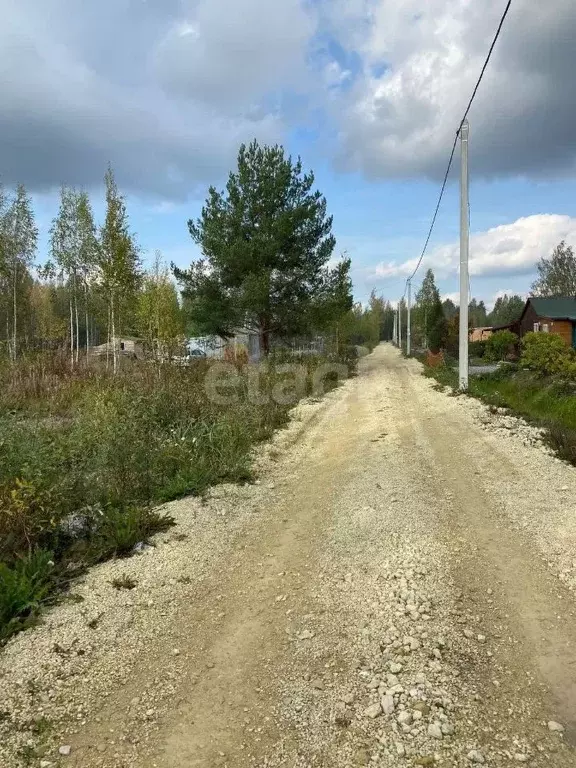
{"x":453,"y":150}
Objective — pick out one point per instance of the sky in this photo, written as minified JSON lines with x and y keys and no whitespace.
{"x":368,"y":92}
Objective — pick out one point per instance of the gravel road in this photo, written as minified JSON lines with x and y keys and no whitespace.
{"x":397,"y":589}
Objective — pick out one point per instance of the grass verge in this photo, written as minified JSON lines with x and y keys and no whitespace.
{"x":547,"y":402}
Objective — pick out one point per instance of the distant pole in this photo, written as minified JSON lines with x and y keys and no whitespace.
{"x":400,"y":325}
{"x":464,"y":247}
{"x":394,"y":339}
{"x":408,"y":327}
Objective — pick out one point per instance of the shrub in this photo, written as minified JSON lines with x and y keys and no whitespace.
{"x":23,"y":588}
{"x":84,"y":455}
{"x":547,"y":354}
{"x":500,"y":344}
{"x":476,"y":348}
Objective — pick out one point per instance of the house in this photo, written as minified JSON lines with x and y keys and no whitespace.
{"x":243,"y":340}
{"x":127,"y":346}
{"x":480,"y":334}
{"x":554,"y":314}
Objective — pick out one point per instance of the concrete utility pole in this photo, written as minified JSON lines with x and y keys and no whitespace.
{"x":394,"y":337}
{"x":408,"y":327}
{"x":400,"y":325}
{"x":464,"y":246}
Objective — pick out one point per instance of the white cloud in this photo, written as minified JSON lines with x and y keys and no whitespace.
{"x":512,"y":249}
{"x":420,"y":62}
{"x":454,"y":297}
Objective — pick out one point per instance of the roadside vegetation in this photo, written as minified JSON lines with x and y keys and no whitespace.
{"x":94,"y":437}
{"x":541,"y":387}
{"x":87,"y":456}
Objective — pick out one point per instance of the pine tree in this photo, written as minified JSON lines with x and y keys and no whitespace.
{"x":266,"y":243}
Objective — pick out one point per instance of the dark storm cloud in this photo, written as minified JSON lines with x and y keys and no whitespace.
{"x":126,"y":82}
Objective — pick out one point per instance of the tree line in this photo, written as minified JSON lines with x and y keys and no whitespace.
{"x":91,"y":289}
{"x":267,"y":266}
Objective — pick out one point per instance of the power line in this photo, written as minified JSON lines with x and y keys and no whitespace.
{"x":474,"y":92}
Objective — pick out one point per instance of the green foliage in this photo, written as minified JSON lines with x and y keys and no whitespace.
{"x":507,"y":309}
{"x":437,"y":328}
{"x":476,"y":349}
{"x":477,"y":315}
{"x":548,"y":402}
{"x":557,"y":274}
{"x":500,"y":344}
{"x":160,"y":318}
{"x":429,"y":327}
{"x":367,"y":325}
{"x":24,"y":585}
{"x":85,"y":454}
{"x":266,"y":243}
{"x":547,"y":354}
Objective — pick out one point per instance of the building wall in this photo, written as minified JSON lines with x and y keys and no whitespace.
{"x":562,"y":328}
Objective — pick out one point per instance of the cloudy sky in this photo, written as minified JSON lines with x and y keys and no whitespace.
{"x":368,"y":92}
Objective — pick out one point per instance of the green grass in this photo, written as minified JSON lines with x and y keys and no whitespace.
{"x":86,"y":456}
{"x":547,"y":402}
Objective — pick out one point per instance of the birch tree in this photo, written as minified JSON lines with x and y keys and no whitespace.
{"x":160,"y":316}
{"x":118,"y":263}
{"x":19,"y":239}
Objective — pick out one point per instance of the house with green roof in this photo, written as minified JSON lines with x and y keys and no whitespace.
{"x":550,"y":314}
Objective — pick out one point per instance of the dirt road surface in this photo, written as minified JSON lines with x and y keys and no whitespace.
{"x":397,"y":589}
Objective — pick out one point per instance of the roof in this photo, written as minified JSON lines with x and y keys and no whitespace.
{"x":554,"y":307}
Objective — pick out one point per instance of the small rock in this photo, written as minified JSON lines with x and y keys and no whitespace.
{"x":520,"y":757}
{"x":447,"y":729}
{"x":396,"y":668}
{"x":405,"y":718}
{"x":468,"y":634}
{"x":554,"y":726}
{"x":373,"y":711}
{"x":400,"y":749}
{"x":176,"y":652}
{"x":435,"y":731}
{"x":421,"y":706}
{"x":317,"y":684}
{"x":348,"y":698}
{"x":101,"y":747}
{"x":481,"y":638}
{"x":305,"y":635}
{"x":388,"y":704}
{"x":65,"y":750}
{"x":46,"y":764}
{"x":475,"y":756}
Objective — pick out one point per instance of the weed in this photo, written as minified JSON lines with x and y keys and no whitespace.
{"x":23,"y":588}
{"x":85,"y":456}
{"x":124,"y":582}
{"x":93,"y":623}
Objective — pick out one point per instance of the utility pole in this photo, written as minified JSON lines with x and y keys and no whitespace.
{"x":408,"y":327}
{"x":394,"y":332}
{"x":400,"y":324}
{"x":464,"y":247}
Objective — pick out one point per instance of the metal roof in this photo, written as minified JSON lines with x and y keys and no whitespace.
{"x":554,"y":307}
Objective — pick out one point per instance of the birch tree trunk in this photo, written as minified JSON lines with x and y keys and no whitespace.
{"x":15,"y":313}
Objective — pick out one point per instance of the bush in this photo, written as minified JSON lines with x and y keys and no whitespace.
{"x":476,"y":349}
{"x":23,"y":588}
{"x":547,"y":354}
{"x":500,"y":344}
